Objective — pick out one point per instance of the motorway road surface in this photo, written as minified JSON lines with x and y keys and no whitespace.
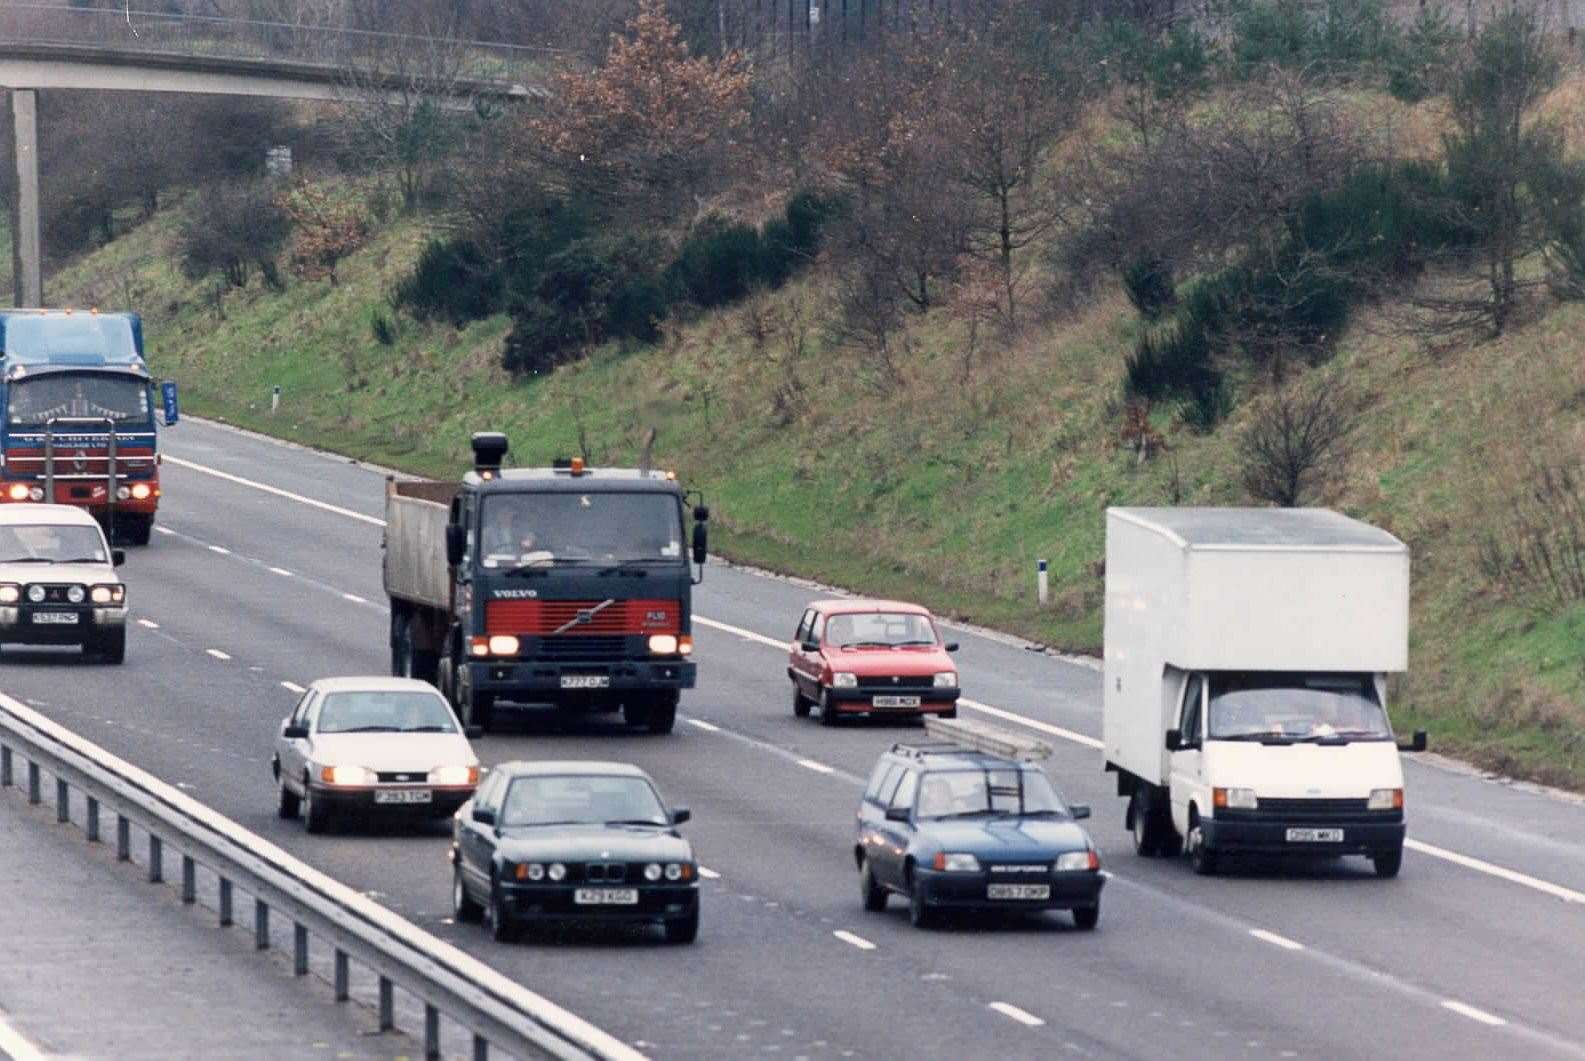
{"x":267,"y":575}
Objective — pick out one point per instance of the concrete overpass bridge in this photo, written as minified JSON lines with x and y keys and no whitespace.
{"x":47,"y":46}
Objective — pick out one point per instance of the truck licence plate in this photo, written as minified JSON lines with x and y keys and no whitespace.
{"x":55,"y":618}
{"x":1018,"y":891}
{"x":585,"y":681}
{"x":405,"y":795}
{"x":606,"y":896}
{"x":1315,"y":836}
{"x":897,"y":701}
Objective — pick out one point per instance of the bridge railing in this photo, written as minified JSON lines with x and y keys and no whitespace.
{"x":496,"y":1011}
{"x":122,"y":30}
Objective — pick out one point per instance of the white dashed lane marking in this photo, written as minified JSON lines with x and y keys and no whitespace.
{"x":708,"y":874}
{"x":706,"y":726}
{"x":1491,"y":1020}
{"x":858,"y":941}
{"x":1024,"y":1017}
{"x":280,"y":571}
{"x":149,"y":624}
{"x":1271,"y":937}
{"x":819,"y":768}
{"x":222,"y":550}
{"x":215,"y":652}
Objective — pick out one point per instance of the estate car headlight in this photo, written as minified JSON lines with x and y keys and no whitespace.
{"x":652,"y":871}
{"x":957,"y":863}
{"x":663,"y":644}
{"x":36,"y":594}
{"x":556,"y":871}
{"x":946,"y":679}
{"x":844,"y":680}
{"x":347,"y":775}
{"x":76,"y":594}
{"x":1077,"y":860}
{"x":99,"y":595}
{"x":1385,"y":799}
{"x":10,"y":593}
{"x":1234,"y":798}
{"x":454,"y":775}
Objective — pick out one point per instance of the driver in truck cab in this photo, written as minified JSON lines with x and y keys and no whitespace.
{"x":510,"y":535}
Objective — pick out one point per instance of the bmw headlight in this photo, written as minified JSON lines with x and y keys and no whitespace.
{"x":675,"y":871}
{"x":556,"y":871}
{"x":844,"y":680}
{"x":946,"y":679}
{"x":1078,"y":860}
{"x":347,"y":775}
{"x":957,"y":863}
{"x":76,"y":595}
{"x":536,"y":871}
{"x":652,"y":871}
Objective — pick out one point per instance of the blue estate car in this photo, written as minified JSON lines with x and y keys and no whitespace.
{"x":967,"y":821}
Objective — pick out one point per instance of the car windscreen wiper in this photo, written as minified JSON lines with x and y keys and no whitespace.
{"x":910,"y":644}
{"x":429,"y":729}
{"x":867,"y":644}
{"x":542,"y":825}
{"x":28,"y":560}
{"x":960,"y":814}
{"x":365,"y":729}
{"x":635,"y":821}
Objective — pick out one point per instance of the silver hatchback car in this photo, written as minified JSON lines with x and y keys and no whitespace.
{"x":373,"y":745}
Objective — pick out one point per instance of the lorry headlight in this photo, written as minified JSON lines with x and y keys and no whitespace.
{"x":10,"y":593}
{"x":1078,"y":860}
{"x":957,"y":863}
{"x":685,"y":645}
{"x":947,"y":679}
{"x":347,"y":775}
{"x":1234,"y":798}
{"x":663,"y":644}
{"x":844,"y":680}
{"x":1385,"y":799}
{"x":18,"y":492}
{"x":76,"y":595}
{"x":503,"y":645}
{"x":36,"y":493}
{"x":141,"y":491}
{"x":122,"y":493}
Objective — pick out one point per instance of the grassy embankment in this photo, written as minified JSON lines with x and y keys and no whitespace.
{"x":938,"y":486}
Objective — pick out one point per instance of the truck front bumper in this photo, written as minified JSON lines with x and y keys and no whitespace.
{"x":510,"y":678}
{"x":1272,"y":837}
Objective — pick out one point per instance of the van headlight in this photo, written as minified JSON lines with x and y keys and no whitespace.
{"x":1385,"y":799}
{"x":947,"y":679}
{"x":844,"y":680}
{"x":1234,"y":798}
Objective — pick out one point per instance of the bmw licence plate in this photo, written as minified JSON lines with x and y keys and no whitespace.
{"x":606,"y":896}
{"x":1315,"y":836}
{"x":897,"y":701}
{"x":585,"y":681}
{"x":55,"y":618}
{"x":1018,"y":891}
{"x":405,"y":795}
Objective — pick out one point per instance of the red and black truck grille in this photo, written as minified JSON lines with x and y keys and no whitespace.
{"x":583,"y":618}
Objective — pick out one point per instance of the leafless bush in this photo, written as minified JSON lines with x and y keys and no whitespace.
{"x":1298,"y":442}
{"x":1538,"y":545}
{"x":868,"y":316}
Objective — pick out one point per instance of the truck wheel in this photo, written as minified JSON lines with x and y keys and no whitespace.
{"x":134,"y":529}
{"x":481,"y":710}
{"x":801,"y":704}
{"x":1201,"y":858}
{"x":663,"y":712}
{"x":1388,"y":863}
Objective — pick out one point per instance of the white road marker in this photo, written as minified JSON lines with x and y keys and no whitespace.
{"x":1491,"y":1020}
{"x":706,"y":726}
{"x":13,"y":1045}
{"x":1557,"y":891}
{"x":280,"y":571}
{"x":293,"y":687}
{"x":858,"y":941}
{"x":277,"y":491}
{"x":747,"y":635}
{"x":1271,"y":937}
{"x":354,"y":598}
{"x":149,"y":624}
{"x":220,"y":549}
{"x":163,"y":530}
{"x":708,"y":874}
{"x":215,"y":652}
{"x":819,"y":768}
{"x":1006,"y":1009}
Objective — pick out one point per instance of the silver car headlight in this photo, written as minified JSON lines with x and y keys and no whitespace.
{"x":946,"y":679}
{"x":844,"y":680}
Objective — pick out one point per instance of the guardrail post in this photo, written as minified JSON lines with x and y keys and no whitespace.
{"x":5,"y":767}
{"x":431,"y":1032}
{"x":343,"y":976}
{"x":92,"y":825}
{"x":34,"y":796}
{"x":225,"y":903}
{"x":189,"y":879}
{"x":261,"y":925}
{"x":63,"y":802}
{"x":123,"y":839}
{"x":156,"y":859}
{"x":481,"y":1048}
{"x":299,"y":950}
{"x":387,"y":1005}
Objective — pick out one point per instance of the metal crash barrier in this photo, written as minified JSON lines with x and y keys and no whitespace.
{"x":495,"y":1010}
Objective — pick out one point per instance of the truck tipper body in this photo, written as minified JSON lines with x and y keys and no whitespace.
{"x":566,"y":586}
{"x":79,"y":415}
{"x":1247,"y":657}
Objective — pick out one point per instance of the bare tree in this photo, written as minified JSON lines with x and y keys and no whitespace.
{"x":1297,"y":443}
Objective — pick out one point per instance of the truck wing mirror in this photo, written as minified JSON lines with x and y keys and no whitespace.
{"x":456,"y":542}
{"x":1417,"y":744}
{"x":118,"y":557}
{"x":701,"y":513}
{"x":1174,"y":740}
{"x":701,"y":542}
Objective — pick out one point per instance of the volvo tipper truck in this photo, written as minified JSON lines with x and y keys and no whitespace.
{"x":1245,"y":703}
{"x":568,"y":586}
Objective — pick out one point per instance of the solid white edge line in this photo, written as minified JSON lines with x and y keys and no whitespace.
{"x":149,"y":624}
{"x":293,"y":687}
{"x":222,"y":550}
{"x":215,"y":652}
{"x":858,"y":941}
{"x":706,"y":726}
{"x":280,"y":571}
{"x":163,"y":530}
{"x":1463,"y":1010}
{"x":354,"y":598}
{"x":819,"y":768}
{"x":1271,"y":937}
{"x":277,"y":491}
{"x":1022,"y":1016}
{"x":15,"y":1046}
{"x":708,"y":874}
{"x":1512,"y":876}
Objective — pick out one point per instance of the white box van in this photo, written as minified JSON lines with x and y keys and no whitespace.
{"x":1247,"y":654}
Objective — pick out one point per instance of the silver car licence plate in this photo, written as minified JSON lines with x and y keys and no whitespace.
{"x":55,"y":618}
{"x":405,"y":795}
{"x":897,"y":701}
{"x":1315,"y":836}
{"x":585,"y":681}
{"x":606,"y":896}
{"x":1018,"y":891}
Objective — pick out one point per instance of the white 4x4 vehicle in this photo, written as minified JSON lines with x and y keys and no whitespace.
{"x":58,"y":583}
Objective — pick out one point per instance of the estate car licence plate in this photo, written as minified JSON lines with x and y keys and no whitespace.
{"x":606,"y":896}
{"x":1315,"y":836}
{"x":405,"y":795}
{"x":55,"y":618}
{"x":897,"y":701}
{"x":1018,"y":891}
{"x":585,"y":681}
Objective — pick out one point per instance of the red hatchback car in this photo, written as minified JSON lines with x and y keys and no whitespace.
{"x":856,"y":657}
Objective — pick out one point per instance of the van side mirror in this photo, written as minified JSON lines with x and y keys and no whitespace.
{"x":118,"y":557}
{"x":1174,"y":740}
{"x":295,"y":732}
{"x":896,"y":814}
{"x":456,"y":542}
{"x":680,"y":815}
{"x":701,"y":541}
{"x":1079,"y":810}
{"x":1417,"y":744}
{"x":484,"y":815}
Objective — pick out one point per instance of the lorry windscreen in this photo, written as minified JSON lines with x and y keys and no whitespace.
{"x":1297,"y":707}
{"x":565,"y":527}
{"x":34,"y":402}
{"x":63,"y":340}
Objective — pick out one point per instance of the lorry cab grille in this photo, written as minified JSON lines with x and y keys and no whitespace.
{"x":580,"y":647}
{"x":583,"y":618}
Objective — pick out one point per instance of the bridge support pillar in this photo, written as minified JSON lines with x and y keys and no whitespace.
{"x":27,"y":241}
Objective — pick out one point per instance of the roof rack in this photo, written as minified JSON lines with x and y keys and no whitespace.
{"x":977,"y":736}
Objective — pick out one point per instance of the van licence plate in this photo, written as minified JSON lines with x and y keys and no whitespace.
{"x":897,"y":701}
{"x":1315,"y":836}
{"x":55,"y":618}
{"x":404,"y":795}
{"x":606,"y":896}
{"x":585,"y":681}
